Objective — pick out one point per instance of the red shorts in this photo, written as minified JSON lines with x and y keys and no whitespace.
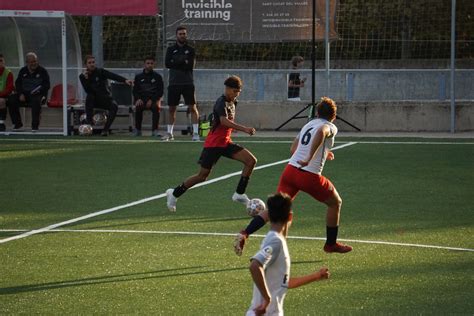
{"x":293,"y":180}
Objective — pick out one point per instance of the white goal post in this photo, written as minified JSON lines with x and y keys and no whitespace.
{"x":57,"y":15}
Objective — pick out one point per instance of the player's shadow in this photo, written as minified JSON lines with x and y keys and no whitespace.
{"x":223,"y":219}
{"x":148,"y":275}
{"x":111,"y":225}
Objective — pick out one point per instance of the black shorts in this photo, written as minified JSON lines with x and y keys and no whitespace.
{"x":210,"y":155}
{"x":176,"y":91}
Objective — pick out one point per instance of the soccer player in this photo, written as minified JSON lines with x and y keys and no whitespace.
{"x":32,"y":85}
{"x":270,"y":267}
{"x":309,"y":150}
{"x":147,"y":92}
{"x":180,"y":59}
{"x":6,"y":89}
{"x":218,"y":143}
{"x":94,"y":81}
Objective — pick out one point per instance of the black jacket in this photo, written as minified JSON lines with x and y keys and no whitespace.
{"x":180,"y":60}
{"x":148,"y":85}
{"x":96,"y":84}
{"x":36,"y":82}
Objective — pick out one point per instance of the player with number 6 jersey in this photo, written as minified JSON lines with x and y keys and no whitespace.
{"x":310,"y":150}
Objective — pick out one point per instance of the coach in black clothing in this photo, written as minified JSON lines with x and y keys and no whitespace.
{"x":32,"y":85}
{"x":147,"y":93}
{"x":180,"y":59}
{"x":94,"y":81}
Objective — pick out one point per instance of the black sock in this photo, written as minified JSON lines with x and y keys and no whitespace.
{"x":179,"y":190}
{"x":256,"y":223}
{"x":3,"y":114}
{"x":331,"y":235}
{"x":242,"y":185}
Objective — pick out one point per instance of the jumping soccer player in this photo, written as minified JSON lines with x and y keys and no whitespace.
{"x":309,"y":150}
{"x":270,"y":267}
{"x":218,"y":143}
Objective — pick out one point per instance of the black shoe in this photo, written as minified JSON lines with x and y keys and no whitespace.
{"x":2,"y":127}
{"x":17,"y":127}
{"x":104,"y":133}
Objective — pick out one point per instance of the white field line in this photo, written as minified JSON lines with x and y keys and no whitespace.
{"x":137,"y":141}
{"x":151,"y":198}
{"x":129,"y":141}
{"x":413,"y":143}
{"x":158,"y":232}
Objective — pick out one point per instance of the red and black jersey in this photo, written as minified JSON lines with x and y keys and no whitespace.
{"x":219,"y":136}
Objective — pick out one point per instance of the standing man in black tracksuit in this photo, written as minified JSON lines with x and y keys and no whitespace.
{"x":180,"y":59}
{"x":94,"y":81}
{"x":147,"y":92}
{"x":32,"y":85}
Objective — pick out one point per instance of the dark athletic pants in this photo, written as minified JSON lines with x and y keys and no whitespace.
{"x":139,"y":115}
{"x":32,"y":101}
{"x":102,"y":102}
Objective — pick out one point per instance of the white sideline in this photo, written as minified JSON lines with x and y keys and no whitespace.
{"x":127,"y":231}
{"x":151,"y":198}
{"x":238,"y":140}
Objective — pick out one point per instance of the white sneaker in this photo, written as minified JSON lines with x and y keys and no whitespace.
{"x":167,"y":137}
{"x":241,"y":198}
{"x":239,"y":243}
{"x":171,"y":200}
{"x":195,"y":137}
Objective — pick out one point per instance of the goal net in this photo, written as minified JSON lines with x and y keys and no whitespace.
{"x":371,"y":36}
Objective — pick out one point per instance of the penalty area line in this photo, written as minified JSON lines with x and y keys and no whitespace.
{"x":189,"y":233}
{"x":141,"y":201}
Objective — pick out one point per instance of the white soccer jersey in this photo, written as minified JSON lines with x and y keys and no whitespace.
{"x":275,"y":259}
{"x":306,"y":136}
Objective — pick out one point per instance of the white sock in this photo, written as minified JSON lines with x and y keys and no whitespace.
{"x":170,"y":129}
{"x":195,"y":128}
{"x":2,"y":121}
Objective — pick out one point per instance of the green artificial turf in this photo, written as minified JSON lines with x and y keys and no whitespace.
{"x":132,"y":261}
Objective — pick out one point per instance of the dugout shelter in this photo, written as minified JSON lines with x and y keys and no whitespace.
{"x":52,"y":35}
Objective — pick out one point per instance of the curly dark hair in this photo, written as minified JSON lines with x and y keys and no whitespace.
{"x":327,"y":109}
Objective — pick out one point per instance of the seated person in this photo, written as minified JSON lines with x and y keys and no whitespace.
{"x":32,"y":87}
{"x":6,"y":89}
{"x":147,"y":92}
{"x":94,"y":81}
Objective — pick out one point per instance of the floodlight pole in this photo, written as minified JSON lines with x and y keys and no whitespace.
{"x":165,"y":44}
{"x":453,"y":66}
{"x":327,"y":49}
{"x":98,"y":40}
{"x":313,"y":62}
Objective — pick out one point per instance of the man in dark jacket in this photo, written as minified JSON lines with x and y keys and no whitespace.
{"x":32,"y":87}
{"x":94,"y":81}
{"x":180,"y":59}
{"x":147,"y":93}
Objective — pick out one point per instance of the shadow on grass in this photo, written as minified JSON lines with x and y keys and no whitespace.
{"x":111,"y":225}
{"x":225,"y":219}
{"x":177,"y":219}
{"x":157,"y":274}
